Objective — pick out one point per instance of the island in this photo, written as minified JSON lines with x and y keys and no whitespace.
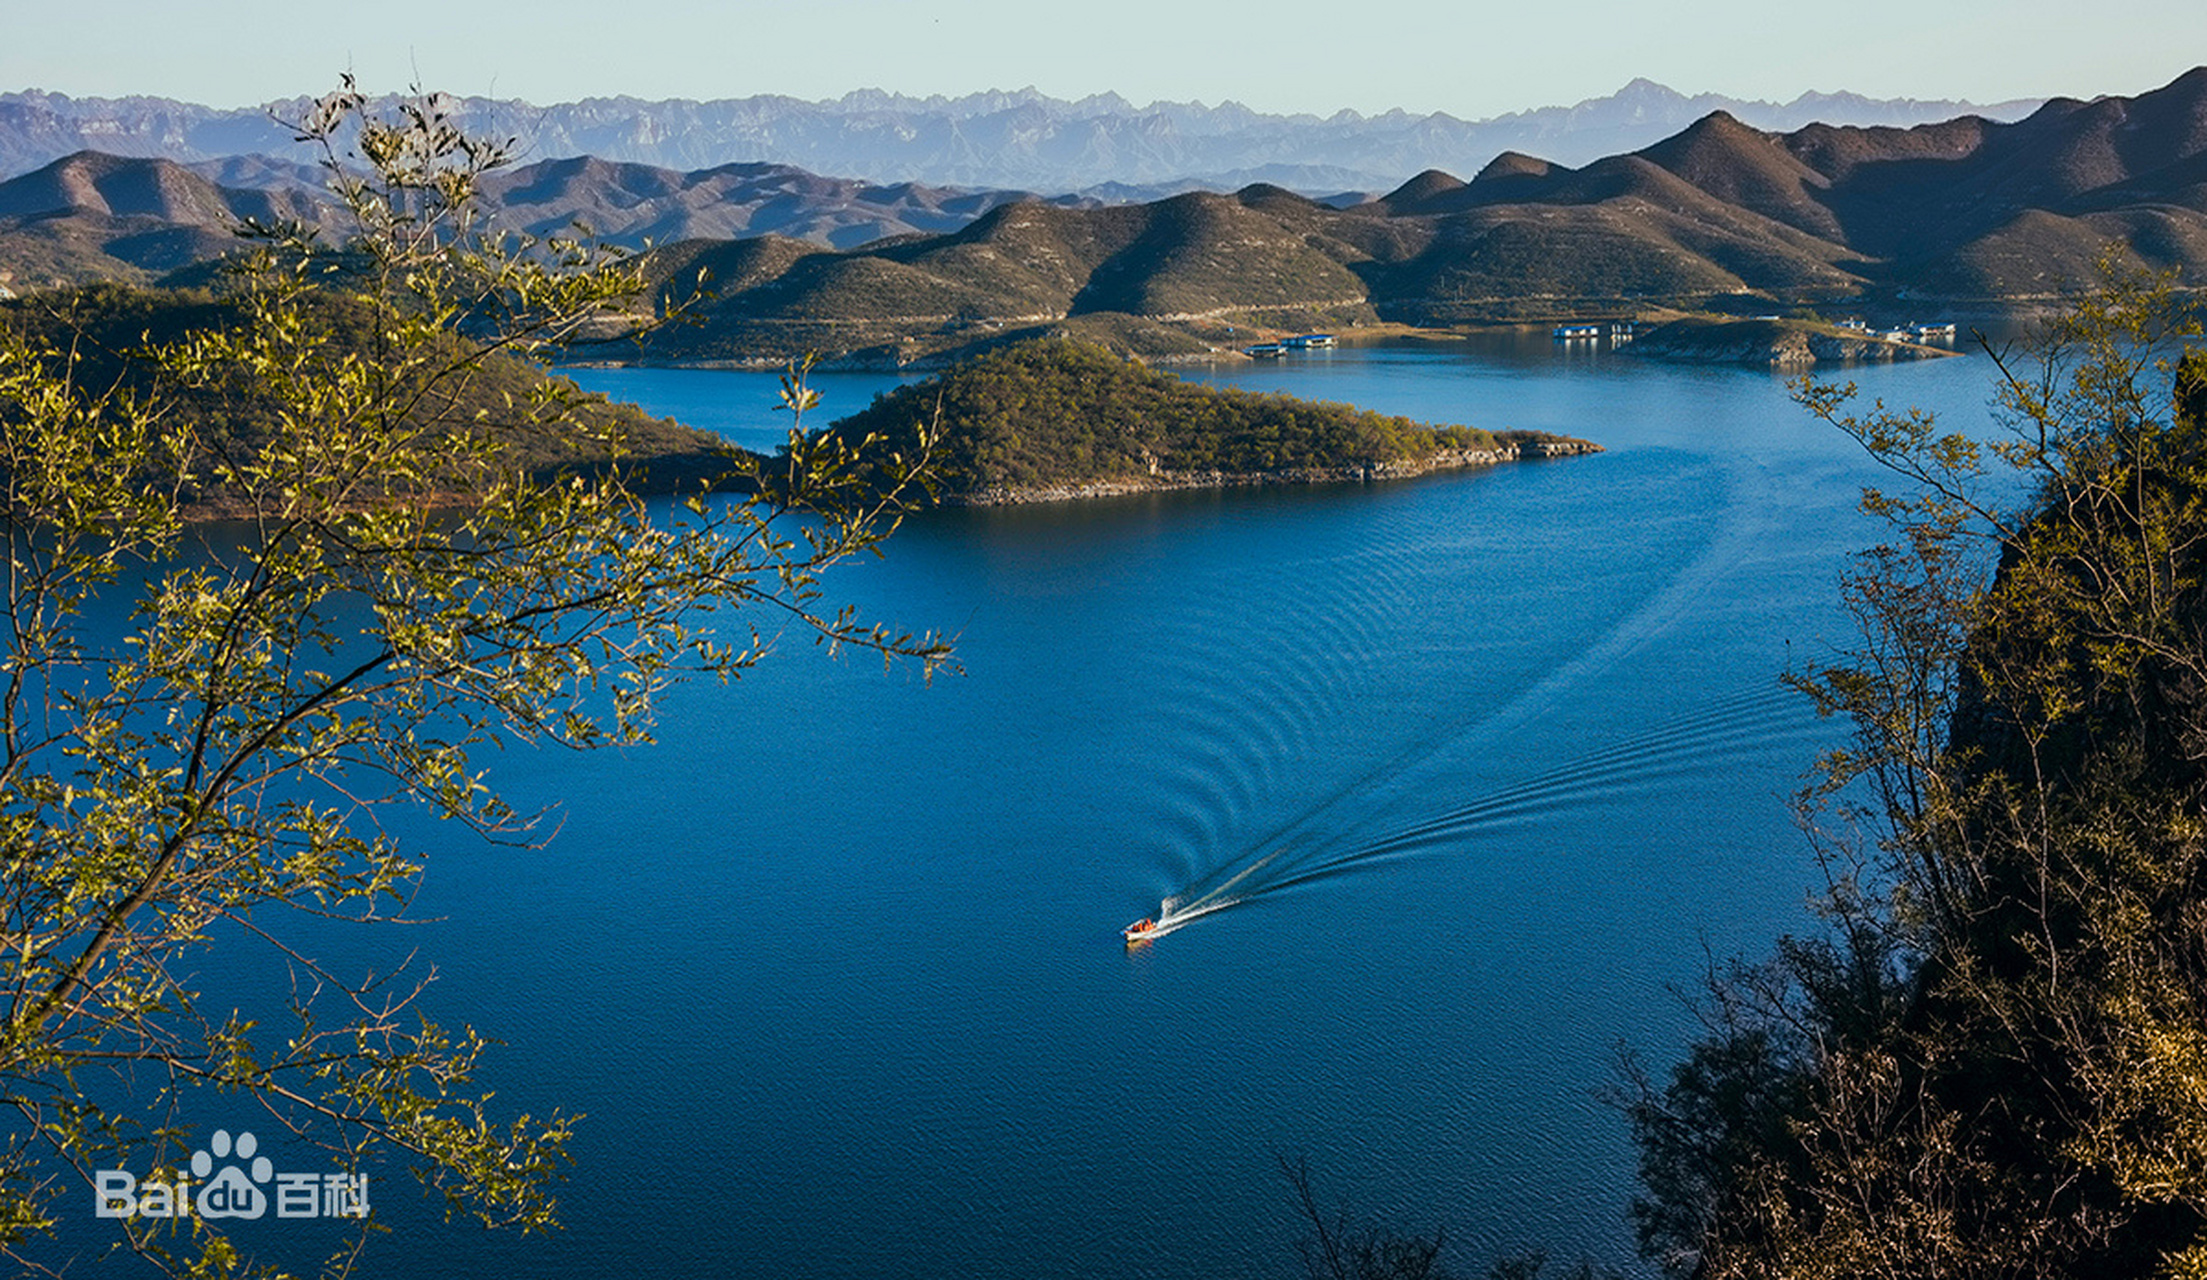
{"x":1032,"y":420}
{"x":1051,"y":419}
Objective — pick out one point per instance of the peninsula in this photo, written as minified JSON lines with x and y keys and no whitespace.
{"x":1782,"y":342}
{"x":540,"y":423}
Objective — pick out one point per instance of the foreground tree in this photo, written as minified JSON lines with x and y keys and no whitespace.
{"x":197,"y":730}
{"x":1995,"y":1064}
{"x":1340,"y":1249}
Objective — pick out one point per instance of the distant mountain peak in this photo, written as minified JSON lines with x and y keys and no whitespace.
{"x":1965,"y":208}
{"x":1422,"y":189}
{"x":1512,"y":164}
{"x":994,"y":138}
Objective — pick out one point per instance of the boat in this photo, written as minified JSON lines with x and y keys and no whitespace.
{"x":1265,"y":351}
{"x":1310,"y":341}
{"x":1566,"y":332}
{"x":1141,"y":930}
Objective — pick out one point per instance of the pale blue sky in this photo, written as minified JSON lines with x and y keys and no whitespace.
{"x":1468,"y":58}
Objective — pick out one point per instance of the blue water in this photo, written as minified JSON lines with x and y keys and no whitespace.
{"x":834,"y":968}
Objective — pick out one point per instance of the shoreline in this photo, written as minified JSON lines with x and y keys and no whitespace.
{"x":1361,"y":473}
{"x":1767,"y":342}
{"x":675,"y":474}
{"x":1680,"y":337}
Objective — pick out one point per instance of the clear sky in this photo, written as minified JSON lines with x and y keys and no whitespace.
{"x":1467,"y":57}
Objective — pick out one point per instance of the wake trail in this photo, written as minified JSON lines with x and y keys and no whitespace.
{"x":1745,"y":523}
{"x":1738,"y":724}
{"x":1719,"y":727}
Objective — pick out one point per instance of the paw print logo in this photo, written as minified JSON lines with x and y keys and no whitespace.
{"x":232,"y":1194}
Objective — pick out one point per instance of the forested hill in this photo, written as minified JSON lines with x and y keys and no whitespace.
{"x":1985,"y":1057}
{"x":102,"y":326}
{"x":1052,"y":418}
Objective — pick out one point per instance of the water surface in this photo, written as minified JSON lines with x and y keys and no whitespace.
{"x":834,"y":968}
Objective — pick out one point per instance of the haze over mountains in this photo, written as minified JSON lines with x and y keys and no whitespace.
{"x":92,"y":215}
{"x":1967,"y":212}
{"x":1018,"y":140}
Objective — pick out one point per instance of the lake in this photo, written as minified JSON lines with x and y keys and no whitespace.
{"x":1491,"y":762}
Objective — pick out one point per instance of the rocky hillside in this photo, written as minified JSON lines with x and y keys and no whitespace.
{"x":1188,"y":259}
{"x":631,"y":204}
{"x":1970,"y":212}
{"x":93,"y":216}
{"x":1965,"y":213}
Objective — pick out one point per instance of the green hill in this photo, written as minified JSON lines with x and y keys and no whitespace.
{"x":105,"y":324}
{"x":1022,"y":265}
{"x":1053,"y":415}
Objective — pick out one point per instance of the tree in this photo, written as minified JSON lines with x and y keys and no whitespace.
{"x":1338,"y":1249}
{"x":194,"y":732}
{"x":1995,"y":1062}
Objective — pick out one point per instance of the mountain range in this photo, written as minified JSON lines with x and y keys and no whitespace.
{"x":1020,"y":140}
{"x":93,"y":215}
{"x":1968,"y":212}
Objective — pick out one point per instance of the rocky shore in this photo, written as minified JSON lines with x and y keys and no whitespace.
{"x":1445,"y":460}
